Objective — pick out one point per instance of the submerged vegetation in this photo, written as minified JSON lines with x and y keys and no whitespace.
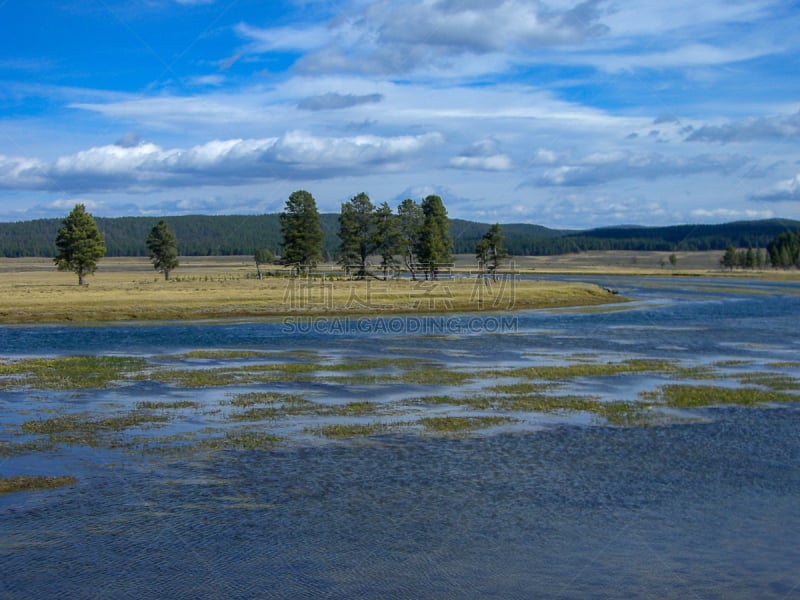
{"x":27,"y":483}
{"x":343,"y":397}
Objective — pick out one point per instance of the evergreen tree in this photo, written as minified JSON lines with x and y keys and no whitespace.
{"x":79,"y":243}
{"x":784,"y":250}
{"x":387,"y":237}
{"x":357,"y":232}
{"x":301,"y":232}
{"x":436,"y":244}
{"x":489,"y":251}
{"x":729,"y":259}
{"x":750,"y":258}
{"x":410,"y":221}
{"x":163,"y":247}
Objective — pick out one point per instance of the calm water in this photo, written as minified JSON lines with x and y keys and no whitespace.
{"x":703,"y":510}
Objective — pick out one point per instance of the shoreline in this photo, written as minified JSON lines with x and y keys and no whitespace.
{"x":227,"y":289}
{"x":127,"y":289}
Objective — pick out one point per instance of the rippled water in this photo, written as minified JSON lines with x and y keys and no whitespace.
{"x":706,"y":510}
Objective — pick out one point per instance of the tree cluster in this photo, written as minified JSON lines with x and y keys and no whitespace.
{"x":784,"y":250}
{"x":416,"y":236}
{"x":743,"y":259}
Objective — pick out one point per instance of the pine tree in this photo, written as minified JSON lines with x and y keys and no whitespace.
{"x":357,"y":232}
{"x":301,"y":231}
{"x":79,"y":244}
{"x":163,"y":247}
{"x":729,"y":259}
{"x":410,"y":221}
{"x":387,"y":237}
{"x":489,"y":251}
{"x":436,"y":245}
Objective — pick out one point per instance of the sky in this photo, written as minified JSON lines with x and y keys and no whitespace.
{"x":564,"y":113}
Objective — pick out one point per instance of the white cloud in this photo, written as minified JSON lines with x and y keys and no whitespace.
{"x":274,"y":39}
{"x":784,"y":191}
{"x":336,"y":101}
{"x":403,"y":36}
{"x":296,"y":154}
{"x":603,"y":167}
{"x":483,"y":155}
{"x":727,"y":214}
{"x":757,"y":128}
{"x":21,"y":173}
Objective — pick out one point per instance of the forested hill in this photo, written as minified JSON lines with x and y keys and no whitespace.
{"x":202,"y":235}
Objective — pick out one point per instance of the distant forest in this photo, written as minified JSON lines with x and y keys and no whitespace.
{"x":202,"y":235}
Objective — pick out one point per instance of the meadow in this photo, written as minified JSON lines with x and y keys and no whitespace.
{"x":122,"y":289}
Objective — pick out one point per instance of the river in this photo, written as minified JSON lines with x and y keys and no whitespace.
{"x":557,"y":507}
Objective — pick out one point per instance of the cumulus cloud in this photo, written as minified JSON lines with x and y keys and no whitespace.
{"x":784,"y":191}
{"x":603,"y":167}
{"x":482,"y":156}
{"x":397,"y":37}
{"x":335,"y":101}
{"x":728,"y":214}
{"x":21,"y":172}
{"x":295,"y":154}
{"x":760,"y":128}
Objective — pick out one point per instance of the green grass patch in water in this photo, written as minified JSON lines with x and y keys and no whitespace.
{"x":349,"y":430}
{"x":435,"y":376}
{"x":695,"y":396}
{"x":166,"y":405}
{"x":772,"y":381}
{"x":219,"y":354}
{"x":461,"y":424}
{"x":69,"y":372}
{"x":81,"y":424}
{"x":242,"y":440}
{"x":26,"y":483}
{"x":264,"y":406}
{"x":566,"y":372}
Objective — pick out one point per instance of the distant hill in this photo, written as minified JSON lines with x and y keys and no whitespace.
{"x":203,"y":235}
{"x":681,"y":237}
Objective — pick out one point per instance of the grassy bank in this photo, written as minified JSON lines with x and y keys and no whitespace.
{"x":32,"y":291}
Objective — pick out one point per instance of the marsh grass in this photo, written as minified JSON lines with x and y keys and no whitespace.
{"x":565,"y":372}
{"x":219,"y":354}
{"x":241,"y":440}
{"x":248,"y":399}
{"x":85,"y":426}
{"x":435,"y":376}
{"x":351,"y":430}
{"x":69,"y":372}
{"x":26,"y":483}
{"x":9,"y":449}
{"x":461,"y":424}
{"x":166,"y":405}
{"x":697,"y":396}
{"x":523,"y":388}
{"x":772,"y":381}
{"x":226,"y":376}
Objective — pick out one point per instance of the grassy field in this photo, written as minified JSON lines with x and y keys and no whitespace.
{"x":32,"y":290}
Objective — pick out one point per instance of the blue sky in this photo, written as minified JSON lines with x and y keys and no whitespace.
{"x":564,"y":113}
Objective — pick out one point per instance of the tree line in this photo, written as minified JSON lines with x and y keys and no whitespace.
{"x":416,"y":238}
{"x":231,"y":235}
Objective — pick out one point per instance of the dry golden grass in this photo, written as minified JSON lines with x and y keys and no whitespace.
{"x":31,"y":290}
